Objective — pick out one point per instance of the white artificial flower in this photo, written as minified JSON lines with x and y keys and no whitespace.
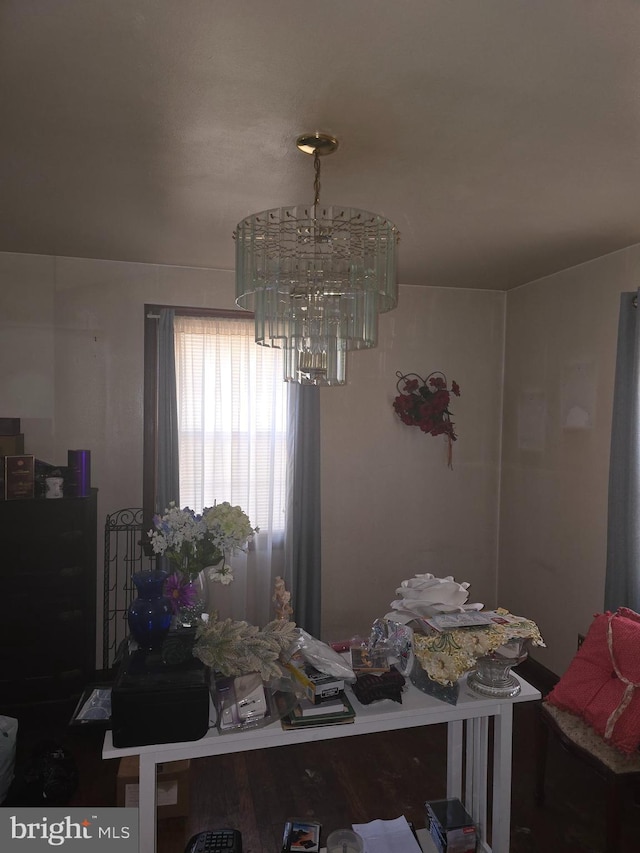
{"x":222,"y":575}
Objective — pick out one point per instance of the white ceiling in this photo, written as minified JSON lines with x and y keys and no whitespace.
{"x":501,"y":136}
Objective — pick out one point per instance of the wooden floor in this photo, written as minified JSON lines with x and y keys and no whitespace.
{"x":354,"y":780}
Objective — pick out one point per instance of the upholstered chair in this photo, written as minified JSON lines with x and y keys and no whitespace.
{"x":594,"y":710}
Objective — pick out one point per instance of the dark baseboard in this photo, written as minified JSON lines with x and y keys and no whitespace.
{"x":538,"y":675}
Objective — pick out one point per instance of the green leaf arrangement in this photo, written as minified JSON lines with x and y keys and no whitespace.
{"x":237,"y":648}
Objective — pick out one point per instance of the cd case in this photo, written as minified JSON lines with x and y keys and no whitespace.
{"x":94,"y":707}
{"x":301,"y":836}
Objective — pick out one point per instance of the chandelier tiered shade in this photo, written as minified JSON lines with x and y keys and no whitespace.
{"x":316,"y":285}
{"x":316,"y":277}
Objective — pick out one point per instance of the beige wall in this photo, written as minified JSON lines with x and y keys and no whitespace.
{"x":560,"y":349}
{"x":71,"y":347}
{"x":27,"y":341}
{"x":72,"y":351}
{"x":390,"y":505}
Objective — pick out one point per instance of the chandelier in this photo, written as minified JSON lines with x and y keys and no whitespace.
{"x":316,"y":277}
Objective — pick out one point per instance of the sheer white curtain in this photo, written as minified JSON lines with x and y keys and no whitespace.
{"x":232,"y":428}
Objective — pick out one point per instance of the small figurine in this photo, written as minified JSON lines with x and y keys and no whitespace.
{"x":282,"y":599}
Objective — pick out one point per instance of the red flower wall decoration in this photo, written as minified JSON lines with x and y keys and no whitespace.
{"x":425,"y":403}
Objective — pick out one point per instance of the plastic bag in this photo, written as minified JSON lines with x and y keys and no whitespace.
{"x":8,"y":736}
{"x":323,"y":657}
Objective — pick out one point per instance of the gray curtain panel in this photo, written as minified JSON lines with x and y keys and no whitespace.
{"x":622,"y":584}
{"x":303,"y":554}
{"x":168,"y":488}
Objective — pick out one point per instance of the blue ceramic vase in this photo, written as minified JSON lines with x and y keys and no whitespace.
{"x":149,"y":615}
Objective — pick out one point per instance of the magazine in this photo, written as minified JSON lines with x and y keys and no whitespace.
{"x":469,"y":619}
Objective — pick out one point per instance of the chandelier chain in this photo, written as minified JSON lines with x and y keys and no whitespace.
{"x":316,"y":182}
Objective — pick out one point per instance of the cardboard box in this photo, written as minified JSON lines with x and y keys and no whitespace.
{"x":11,"y":445}
{"x":172,"y":790}
{"x":316,"y":684}
{"x":451,"y":827}
{"x":9,"y":426}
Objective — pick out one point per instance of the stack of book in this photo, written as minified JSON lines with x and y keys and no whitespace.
{"x":325,"y":712}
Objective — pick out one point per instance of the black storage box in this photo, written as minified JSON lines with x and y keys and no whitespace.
{"x":153,"y":701}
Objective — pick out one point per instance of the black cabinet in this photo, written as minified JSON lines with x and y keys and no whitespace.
{"x":48,"y":599}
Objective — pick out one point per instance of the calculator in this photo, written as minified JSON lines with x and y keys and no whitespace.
{"x":215,"y":841}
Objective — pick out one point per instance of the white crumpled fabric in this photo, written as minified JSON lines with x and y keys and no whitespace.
{"x":425,"y":595}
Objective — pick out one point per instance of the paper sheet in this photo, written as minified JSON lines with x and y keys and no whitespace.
{"x":388,"y":836}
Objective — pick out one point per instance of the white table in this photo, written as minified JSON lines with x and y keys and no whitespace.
{"x":467,"y":751}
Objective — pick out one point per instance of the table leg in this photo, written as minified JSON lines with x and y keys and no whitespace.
{"x":147,"y":815}
{"x":474,"y":747}
{"x":502,"y":755}
{"x":454,"y":759}
{"x":469,"y":772}
{"x":475,"y":777}
{"x":479,"y":774}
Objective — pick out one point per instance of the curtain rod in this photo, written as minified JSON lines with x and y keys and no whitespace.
{"x":189,"y":311}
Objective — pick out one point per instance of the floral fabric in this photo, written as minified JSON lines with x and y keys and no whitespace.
{"x":447,"y":655}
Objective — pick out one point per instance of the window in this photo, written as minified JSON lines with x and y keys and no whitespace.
{"x":232,"y":419}
{"x":243,"y":435}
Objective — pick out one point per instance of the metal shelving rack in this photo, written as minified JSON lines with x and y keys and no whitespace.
{"x":123,"y":557}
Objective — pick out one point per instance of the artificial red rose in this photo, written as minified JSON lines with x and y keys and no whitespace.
{"x":425,"y":404}
{"x":426,"y":410}
{"x":403,"y":404}
{"x":440,"y":401}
